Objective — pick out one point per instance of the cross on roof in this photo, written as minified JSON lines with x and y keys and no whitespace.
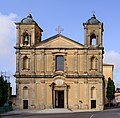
{"x":93,"y":12}
{"x":59,"y":29}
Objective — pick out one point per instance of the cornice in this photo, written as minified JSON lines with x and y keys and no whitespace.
{"x":52,"y":76}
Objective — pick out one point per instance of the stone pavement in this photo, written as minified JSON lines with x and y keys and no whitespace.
{"x":52,"y":111}
{"x":45,"y":111}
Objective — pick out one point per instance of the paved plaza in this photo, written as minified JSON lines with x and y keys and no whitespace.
{"x":62,"y":113}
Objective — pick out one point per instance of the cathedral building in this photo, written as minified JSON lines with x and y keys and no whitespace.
{"x":59,"y":72}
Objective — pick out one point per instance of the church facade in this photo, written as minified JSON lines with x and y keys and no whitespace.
{"x":59,"y":72}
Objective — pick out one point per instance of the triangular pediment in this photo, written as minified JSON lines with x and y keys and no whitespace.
{"x":59,"y":41}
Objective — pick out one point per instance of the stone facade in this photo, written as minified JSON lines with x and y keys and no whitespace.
{"x":59,"y":72}
{"x":107,"y":72}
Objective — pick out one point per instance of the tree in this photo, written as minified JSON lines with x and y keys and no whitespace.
{"x":3,"y":91}
{"x":110,"y":90}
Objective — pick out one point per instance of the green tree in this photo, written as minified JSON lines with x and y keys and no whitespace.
{"x":110,"y":90}
{"x":3,"y":91}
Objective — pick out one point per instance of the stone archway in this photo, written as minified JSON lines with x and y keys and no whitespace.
{"x":59,"y":94}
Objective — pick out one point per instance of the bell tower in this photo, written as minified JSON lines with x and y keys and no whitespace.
{"x":93,"y":44}
{"x":93,"y":31}
{"x":28,"y":35}
{"x":28,"y":32}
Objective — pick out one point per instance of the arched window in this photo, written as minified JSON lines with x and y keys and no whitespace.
{"x":25,"y":62}
{"x":93,"y":93}
{"x":25,"y":92}
{"x":25,"y":38}
{"x":59,"y":62}
{"x":93,"y":40}
{"x":93,"y":63}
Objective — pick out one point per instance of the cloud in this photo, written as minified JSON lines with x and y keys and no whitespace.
{"x":7,"y":33}
{"x":7,"y":42}
{"x":113,"y":57}
{"x":7,"y":37}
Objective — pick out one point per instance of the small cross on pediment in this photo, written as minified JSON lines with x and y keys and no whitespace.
{"x":59,"y":29}
{"x":93,"y":13}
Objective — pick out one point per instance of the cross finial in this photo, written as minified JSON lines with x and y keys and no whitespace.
{"x":29,"y":14}
{"x":29,"y":11}
{"x":59,"y":29}
{"x":93,"y":13}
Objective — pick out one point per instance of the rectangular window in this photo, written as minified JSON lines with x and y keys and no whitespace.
{"x":59,"y":62}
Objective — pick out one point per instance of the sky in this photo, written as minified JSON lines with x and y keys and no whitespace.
{"x":70,"y":15}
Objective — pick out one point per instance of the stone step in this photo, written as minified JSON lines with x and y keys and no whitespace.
{"x":56,"y":110}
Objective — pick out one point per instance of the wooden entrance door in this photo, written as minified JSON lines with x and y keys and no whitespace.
{"x":59,"y":99}
{"x":25,"y":104}
{"x":93,"y":104}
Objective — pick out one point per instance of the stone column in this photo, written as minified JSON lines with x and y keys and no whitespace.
{"x":54,"y":99}
{"x":52,"y":88}
{"x":65,"y":97}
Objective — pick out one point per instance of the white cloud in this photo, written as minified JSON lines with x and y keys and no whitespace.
{"x":7,"y":32}
{"x":113,"y":57}
{"x":7,"y":42}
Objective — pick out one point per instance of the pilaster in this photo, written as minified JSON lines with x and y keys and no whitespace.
{"x":85,"y":61}
{"x":76,"y":94}
{"x":17,"y":62}
{"x":42,"y":62}
{"x":86,"y":94}
{"x":76,"y":62}
{"x":18,"y":35}
{"x":32,"y":62}
{"x":33,"y":36}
